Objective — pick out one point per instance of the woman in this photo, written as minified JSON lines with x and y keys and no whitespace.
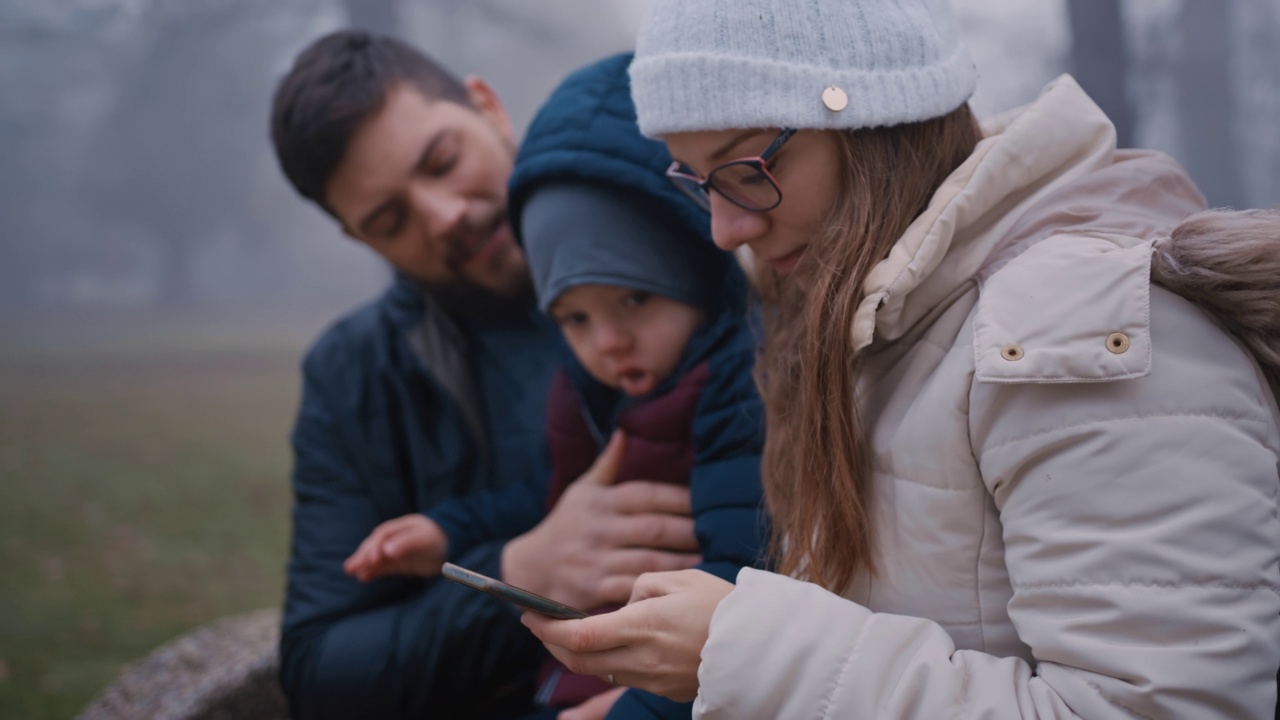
{"x":1014,"y":472}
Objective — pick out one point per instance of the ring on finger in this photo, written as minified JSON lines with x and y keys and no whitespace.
{"x":612,"y":681}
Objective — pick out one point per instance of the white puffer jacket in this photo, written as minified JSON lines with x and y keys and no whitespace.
{"x":1076,"y":480}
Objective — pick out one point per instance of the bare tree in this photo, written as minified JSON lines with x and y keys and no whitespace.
{"x":1207,"y":100}
{"x":47,"y":53}
{"x":173,"y":158}
{"x":1100,"y":60}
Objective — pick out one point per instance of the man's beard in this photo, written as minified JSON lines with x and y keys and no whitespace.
{"x":466,"y":299}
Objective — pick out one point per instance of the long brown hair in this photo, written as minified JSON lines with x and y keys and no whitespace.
{"x":1228,"y":263}
{"x":816,"y":467}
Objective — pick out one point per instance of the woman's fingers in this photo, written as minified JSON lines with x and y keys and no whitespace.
{"x":619,"y":662}
{"x":657,"y":584}
{"x":574,"y":661}
{"x":595,"y":634}
{"x":559,"y":634}
{"x":620,"y":588}
{"x":654,"y":644}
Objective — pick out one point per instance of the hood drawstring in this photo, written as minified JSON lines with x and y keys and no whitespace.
{"x":1228,"y":263}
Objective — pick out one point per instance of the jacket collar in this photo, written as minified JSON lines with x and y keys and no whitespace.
{"x":403,"y":301}
{"x":1025,"y":155}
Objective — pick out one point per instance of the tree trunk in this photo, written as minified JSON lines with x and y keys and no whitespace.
{"x":1100,"y":60}
{"x":1207,"y":100}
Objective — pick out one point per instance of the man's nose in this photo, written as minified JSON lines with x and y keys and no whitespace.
{"x":732,"y":226}
{"x":443,"y":210}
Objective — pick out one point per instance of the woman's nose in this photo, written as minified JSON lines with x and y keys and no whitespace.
{"x":732,"y":226}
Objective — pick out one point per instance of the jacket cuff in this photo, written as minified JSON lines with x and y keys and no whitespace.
{"x":777,"y":647}
{"x":461,"y":540}
{"x":722,"y":569}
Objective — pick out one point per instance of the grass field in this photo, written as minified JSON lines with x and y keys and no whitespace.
{"x":143,"y":491}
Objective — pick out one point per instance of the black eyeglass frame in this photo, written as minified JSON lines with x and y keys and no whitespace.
{"x":699,"y":190}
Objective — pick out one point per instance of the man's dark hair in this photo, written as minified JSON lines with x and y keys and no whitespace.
{"x":336,"y":84}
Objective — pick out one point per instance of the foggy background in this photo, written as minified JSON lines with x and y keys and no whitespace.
{"x":159,"y":280}
{"x":135,"y":168}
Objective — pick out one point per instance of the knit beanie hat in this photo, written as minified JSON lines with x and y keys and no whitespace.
{"x":818,"y":64}
{"x":579,"y":233}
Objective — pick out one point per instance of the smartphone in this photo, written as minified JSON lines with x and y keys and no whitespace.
{"x":512,"y":594}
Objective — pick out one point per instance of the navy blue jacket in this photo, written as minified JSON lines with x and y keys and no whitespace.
{"x":587,"y":131}
{"x":377,"y":438}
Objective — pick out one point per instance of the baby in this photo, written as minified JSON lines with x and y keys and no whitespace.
{"x":662,"y":352}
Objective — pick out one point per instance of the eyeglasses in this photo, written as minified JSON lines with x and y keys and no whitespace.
{"x":746,"y":183}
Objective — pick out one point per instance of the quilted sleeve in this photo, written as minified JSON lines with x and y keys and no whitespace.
{"x":1140,"y":525}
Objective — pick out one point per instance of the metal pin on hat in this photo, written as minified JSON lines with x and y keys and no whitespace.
{"x":835,"y":99}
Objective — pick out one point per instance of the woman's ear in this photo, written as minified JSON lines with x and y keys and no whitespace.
{"x":486,"y":102}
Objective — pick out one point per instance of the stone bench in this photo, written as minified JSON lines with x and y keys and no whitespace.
{"x":223,"y":671}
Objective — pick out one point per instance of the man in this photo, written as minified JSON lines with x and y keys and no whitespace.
{"x":433,"y":391}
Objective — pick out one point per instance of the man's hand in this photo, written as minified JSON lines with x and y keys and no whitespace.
{"x":600,"y":537}
{"x":409,"y":545}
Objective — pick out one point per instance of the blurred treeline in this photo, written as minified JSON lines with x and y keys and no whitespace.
{"x":135,"y":168}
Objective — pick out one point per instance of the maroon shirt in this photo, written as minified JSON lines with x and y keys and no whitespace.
{"x":659,"y":448}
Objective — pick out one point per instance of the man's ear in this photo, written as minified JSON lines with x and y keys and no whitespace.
{"x":486,"y":102}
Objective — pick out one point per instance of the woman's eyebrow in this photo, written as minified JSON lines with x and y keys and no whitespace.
{"x":733,"y":142}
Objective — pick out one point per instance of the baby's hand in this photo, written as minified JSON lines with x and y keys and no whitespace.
{"x":409,"y":545}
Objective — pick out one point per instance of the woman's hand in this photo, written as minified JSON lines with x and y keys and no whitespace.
{"x":654,"y":643}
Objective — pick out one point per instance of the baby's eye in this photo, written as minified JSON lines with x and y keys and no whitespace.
{"x":570,"y":320}
{"x":637,"y":298}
